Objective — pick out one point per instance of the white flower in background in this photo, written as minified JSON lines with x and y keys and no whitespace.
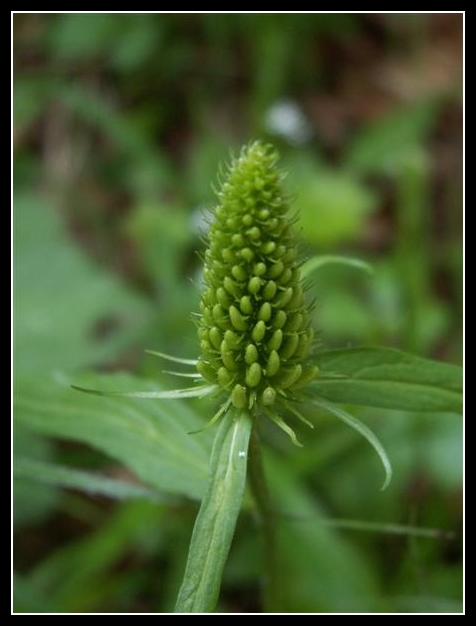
{"x":286,"y":119}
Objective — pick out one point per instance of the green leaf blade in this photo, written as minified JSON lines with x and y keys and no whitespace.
{"x":149,"y":437}
{"x":216,"y":520}
{"x":60,"y":297}
{"x":88,"y":482}
{"x":388,"y":378}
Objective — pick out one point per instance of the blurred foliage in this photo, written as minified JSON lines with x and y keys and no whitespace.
{"x":119,"y":123}
{"x":106,"y":315}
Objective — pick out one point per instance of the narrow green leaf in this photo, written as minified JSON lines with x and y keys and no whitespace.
{"x":216,"y":520}
{"x":365,"y":431}
{"x":148,"y":437}
{"x":316,"y":262}
{"x":285,"y":427}
{"x":172,"y":394}
{"x":387,"y":378}
{"x":52,"y":474}
{"x":197,"y":376}
{"x":174,"y":359}
{"x":383,"y":528}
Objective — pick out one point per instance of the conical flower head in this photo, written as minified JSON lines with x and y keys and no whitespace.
{"x":254,"y":323}
{"x":254,"y":327}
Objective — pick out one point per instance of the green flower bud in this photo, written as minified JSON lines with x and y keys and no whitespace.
{"x":254,"y":323}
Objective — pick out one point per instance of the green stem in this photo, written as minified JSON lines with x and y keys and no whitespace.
{"x":216,"y":520}
{"x":259,"y":489}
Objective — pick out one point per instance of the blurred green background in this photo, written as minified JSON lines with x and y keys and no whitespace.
{"x":120,"y":121}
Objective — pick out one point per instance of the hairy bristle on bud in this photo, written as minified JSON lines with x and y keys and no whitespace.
{"x":254,"y":325}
